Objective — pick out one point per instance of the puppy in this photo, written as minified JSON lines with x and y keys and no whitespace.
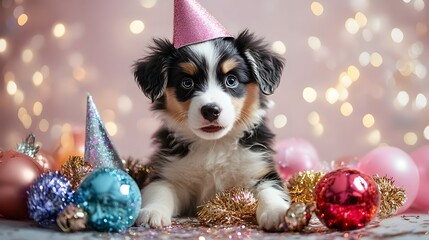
{"x":211,"y":98}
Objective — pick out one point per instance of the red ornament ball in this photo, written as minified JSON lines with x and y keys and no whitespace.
{"x":17,"y":173}
{"x":346,"y":199}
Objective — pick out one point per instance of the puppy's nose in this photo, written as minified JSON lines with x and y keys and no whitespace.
{"x":211,"y":111}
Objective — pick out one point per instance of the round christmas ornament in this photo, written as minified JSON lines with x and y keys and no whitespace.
{"x":111,"y":198}
{"x":298,"y":216}
{"x":294,"y":155}
{"x":29,"y":147}
{"x":346,"y":199}
{"x":72,"y":219}
{"x":397,"y":164}
{"x":17,"y":172}
{"x":48,"y":196}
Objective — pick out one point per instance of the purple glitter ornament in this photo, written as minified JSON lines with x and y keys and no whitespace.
{"x":99,"y":150}
{"x":48,"y":196}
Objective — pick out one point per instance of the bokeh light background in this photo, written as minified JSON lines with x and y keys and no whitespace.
{"x":356,"y":75}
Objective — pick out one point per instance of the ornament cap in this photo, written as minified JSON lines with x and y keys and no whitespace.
{"x":194,"y":24}
{"x":28,"y":146}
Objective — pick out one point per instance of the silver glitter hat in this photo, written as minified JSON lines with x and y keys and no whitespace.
{"x":99,"y":150}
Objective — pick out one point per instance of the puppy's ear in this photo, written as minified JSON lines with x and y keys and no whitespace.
{"x":266,"y":66}
{"x":151,"y":72}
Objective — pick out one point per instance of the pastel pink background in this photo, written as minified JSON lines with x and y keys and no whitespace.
{"x":97,"y":50}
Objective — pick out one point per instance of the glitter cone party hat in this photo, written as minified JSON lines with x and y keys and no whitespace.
{"x":99,"y":150}
{"x":193,"y":24}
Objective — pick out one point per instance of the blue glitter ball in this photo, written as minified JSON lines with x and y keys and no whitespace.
{"x":48,"y":196}
{"x":111,"y":198}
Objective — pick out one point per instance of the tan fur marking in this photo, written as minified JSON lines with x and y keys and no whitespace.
{"x":263,"y":172}
{"x":189,"y":68}
{"x":177,"y":110}
{"x":249,"y":104}
{"x":228,"y":65}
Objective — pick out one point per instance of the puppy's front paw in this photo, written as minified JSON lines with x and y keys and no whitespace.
{"x":155,"y":215}
{"x":271,"y":216}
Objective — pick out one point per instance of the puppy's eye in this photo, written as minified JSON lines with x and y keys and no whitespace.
{"x":231,"y":81}
{"x":187,"y":83}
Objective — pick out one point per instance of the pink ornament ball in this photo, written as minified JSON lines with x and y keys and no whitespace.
{"x":393,"y":163}
{"x":294,"y":155}
{"x":421,"y":159}
{"x":346,"y":199}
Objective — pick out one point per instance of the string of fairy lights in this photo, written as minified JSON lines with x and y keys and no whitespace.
{"x":28,"y":90}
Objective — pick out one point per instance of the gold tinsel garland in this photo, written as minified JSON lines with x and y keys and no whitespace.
{"x":236,"y":206}
{"x":76,"y":169}
{"x":301,"y":186}
{"x":392,"y":197}
{"x":138,"y":171}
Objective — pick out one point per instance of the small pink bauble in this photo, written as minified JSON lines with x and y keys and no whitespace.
{"x":393,"y":163}
{"x":294,"y":155}
{"x":421,"y":159}
{"x":346,"y":199}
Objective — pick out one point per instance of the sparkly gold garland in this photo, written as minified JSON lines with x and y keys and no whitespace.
{"x":236,"y":206}
{"x":302,"y":184}
{"x":138,"y":171}
{"x":392,"y":197}
{"x":76,"y":169}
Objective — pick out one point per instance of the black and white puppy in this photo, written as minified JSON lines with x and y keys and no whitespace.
{"x":211,"y":99}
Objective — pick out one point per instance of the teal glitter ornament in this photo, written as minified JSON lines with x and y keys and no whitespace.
{"x":111,"y":198}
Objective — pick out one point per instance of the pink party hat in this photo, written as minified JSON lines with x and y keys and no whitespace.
{"x":193,"y":24}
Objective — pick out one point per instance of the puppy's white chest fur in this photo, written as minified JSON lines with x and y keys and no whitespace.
{"x":214,"y":166}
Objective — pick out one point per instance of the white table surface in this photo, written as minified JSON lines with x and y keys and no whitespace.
{"x":406,"y":226}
